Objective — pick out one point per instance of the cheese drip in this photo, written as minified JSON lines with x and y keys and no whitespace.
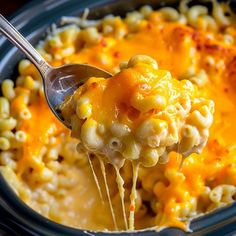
{"x":133,"y":195}
{"x":120,"y":185}
{"x":95,"y":179}
{"x":103,"y":170}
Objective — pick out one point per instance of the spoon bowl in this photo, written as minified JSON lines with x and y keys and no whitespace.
{"x":59,"y":82}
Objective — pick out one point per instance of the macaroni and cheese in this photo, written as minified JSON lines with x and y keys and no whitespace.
{"x":140,"y":114}
{"x":40,"y":159}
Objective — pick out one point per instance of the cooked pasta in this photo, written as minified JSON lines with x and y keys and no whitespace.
{"x":158,"y":111}
{"x":53,"y":175}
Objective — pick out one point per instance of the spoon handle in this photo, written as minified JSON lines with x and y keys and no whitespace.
{"x":19,"y":41}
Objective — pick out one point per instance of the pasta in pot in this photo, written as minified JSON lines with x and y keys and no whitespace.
{"x":42,"y":163}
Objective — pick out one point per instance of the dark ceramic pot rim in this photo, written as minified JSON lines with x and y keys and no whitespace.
{"x":32,"y":20}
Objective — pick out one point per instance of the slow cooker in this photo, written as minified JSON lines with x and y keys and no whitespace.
{"x":16,"y":218}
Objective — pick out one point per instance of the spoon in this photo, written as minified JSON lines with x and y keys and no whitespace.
{"x":58,"y":82}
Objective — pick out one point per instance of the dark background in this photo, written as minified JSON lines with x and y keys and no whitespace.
{"x":10,"y":6}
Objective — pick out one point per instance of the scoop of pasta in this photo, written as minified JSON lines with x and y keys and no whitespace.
{"x":142,"y":113}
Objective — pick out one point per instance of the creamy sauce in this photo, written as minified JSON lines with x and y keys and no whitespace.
{"x":81,"y":207}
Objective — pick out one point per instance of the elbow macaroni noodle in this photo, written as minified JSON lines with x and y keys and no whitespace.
{"x":41,"y":161}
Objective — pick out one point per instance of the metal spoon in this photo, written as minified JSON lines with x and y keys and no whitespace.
{"x":58,"y":82}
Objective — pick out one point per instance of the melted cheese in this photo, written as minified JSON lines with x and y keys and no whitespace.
{"x":133,"y":195}
{"x":103,"y":170}
{"x":39,"y":128}
{"x":120,"y":184}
